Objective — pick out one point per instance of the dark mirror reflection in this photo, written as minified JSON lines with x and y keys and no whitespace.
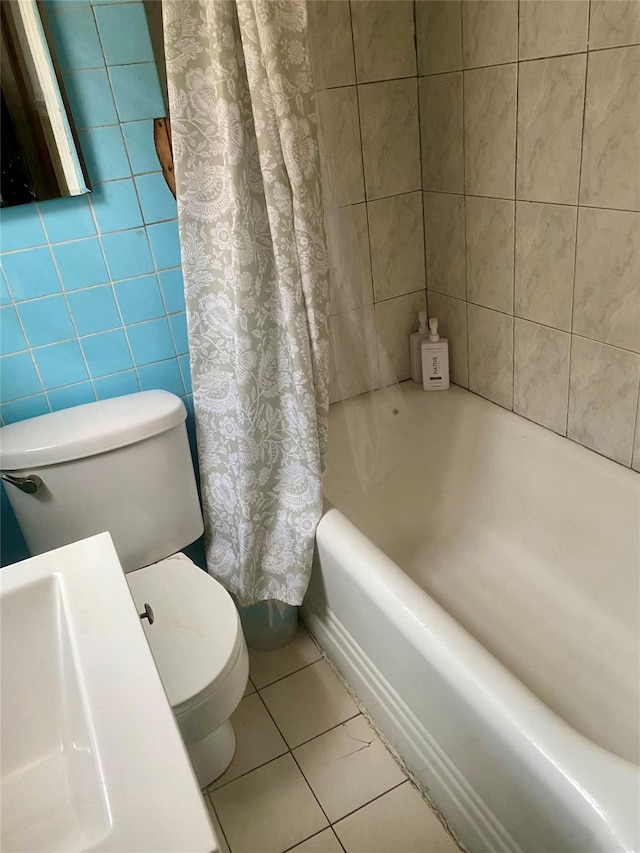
{"x":39,"y":156}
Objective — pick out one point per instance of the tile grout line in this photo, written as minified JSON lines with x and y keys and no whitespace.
{"x":405,"y":781}
{"x":524,"y":59}
{"x":374,"y":381}
{"x":464,"y":198}
{"x":100,"y":233}
{"x":533,"y":321}
{"x":636,"y":428}
{"x":577,"y":233}
{"x":515,"y":214}
{"x":80,"y":381}
{"x":304,"y":742}
{"x":289,"y":748}
{"x":514,"y":199}
{"x":29,"y":349}
{"x":113,"y":292}
{"x":410,"y":776}
{"x":9,"y":252}
{"x":337,"y":838}
{"x":93,"y":286}
{"x":308,"y":838}
{"x":215,"y":811}
{"x":290,"y":752}
{"x":102,"y":52}
{"x":155,"y":273}
{"x":424,"y":213}
{"x":85,"y":290}
{"x":477,"y":67}
{"x":71,"y":319}
{"x":315,"y":796}
{"x":326,"y":731}
{"x":293,"y":671}
{"x":211,"y":790}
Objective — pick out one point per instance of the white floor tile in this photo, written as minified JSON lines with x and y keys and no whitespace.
{"x":324,"y":842}
{"x":250,"y":688}
{"x":348,"y":767}
{"x":266,"y":667}
{"x":268,"y":810}
{"x":399,"y":821}
{"x":308,"y":703}
{"x":257,"y":739}
{"x":222,"y":844}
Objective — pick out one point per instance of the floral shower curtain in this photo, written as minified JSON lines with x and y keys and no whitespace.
{"x":256,"y":283}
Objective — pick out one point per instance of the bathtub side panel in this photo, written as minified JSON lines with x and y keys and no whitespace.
{"x":482,"y":787}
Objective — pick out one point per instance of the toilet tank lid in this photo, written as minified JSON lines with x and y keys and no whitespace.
{"x":89,"y":429}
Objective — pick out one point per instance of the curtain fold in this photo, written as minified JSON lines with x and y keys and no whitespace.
{"x":256,"y":283}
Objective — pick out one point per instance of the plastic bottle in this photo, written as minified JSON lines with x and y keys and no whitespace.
{"x":435,"y":359}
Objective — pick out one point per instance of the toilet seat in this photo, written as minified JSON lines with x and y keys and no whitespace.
{"x":196,"y":638}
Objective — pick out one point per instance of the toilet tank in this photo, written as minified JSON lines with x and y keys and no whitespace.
{"x":121,"y":465}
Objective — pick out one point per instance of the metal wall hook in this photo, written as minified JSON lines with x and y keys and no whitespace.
{"x":29,"y":484}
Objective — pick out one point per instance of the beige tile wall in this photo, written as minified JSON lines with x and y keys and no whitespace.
{"x":365,"y":66}
{"x":530,"y":133}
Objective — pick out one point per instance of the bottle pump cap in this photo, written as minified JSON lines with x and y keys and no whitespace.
{"x":433,"y":330}
{"x":422,"y":319}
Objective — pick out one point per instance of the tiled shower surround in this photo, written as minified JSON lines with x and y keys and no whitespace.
{"x":530,"y":167}
{"x":366,"y":69}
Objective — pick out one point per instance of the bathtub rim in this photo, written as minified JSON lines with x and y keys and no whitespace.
{"x":597,"y":786}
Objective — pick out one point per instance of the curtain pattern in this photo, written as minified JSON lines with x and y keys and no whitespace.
{"x":256,"y":283}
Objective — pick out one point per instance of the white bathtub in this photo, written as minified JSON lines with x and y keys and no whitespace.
{"x":477,"y":581}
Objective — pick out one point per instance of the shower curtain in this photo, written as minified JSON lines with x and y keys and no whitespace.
{"x":256,"y":283}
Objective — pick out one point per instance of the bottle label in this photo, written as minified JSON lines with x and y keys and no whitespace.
{"x":435,"y":365}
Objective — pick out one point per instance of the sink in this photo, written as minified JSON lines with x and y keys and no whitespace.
{"x":90,"y":754}
{"x":52,"y":796}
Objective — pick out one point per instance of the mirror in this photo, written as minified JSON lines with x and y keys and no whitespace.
{"x":39,"y":156}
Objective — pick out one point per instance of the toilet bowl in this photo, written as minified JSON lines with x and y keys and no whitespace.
{"x":198,"y":646}
{"x":124,"y":465}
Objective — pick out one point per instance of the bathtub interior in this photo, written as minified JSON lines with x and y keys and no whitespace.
{"x":529,"y":541}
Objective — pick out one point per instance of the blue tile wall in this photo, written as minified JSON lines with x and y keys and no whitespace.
{"x":22,"y":230}
{"x":136,"y":91}
{"x":68,"y":219}
{"x":91,"y":287}
{"x":82,"y":51}
{"x":138,"y":138}
{"x":30,"y":273}
{"x":116,"y":206}
{"x":90,"y":97}
{"x":127,"y":253}
{"x":172,"y":288}
{"x":104,"y":153}
{"x":46,"y":321}
{"x":11,"y":334}
{"x":139,"y":299}
{"x":124,"y":34}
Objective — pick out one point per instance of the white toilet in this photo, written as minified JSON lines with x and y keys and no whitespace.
{"x":124,"y":465}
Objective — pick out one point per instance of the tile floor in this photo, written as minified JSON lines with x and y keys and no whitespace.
{"x":309,"y":774}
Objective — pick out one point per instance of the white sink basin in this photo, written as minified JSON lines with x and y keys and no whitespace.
{"x":90,"y":755}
